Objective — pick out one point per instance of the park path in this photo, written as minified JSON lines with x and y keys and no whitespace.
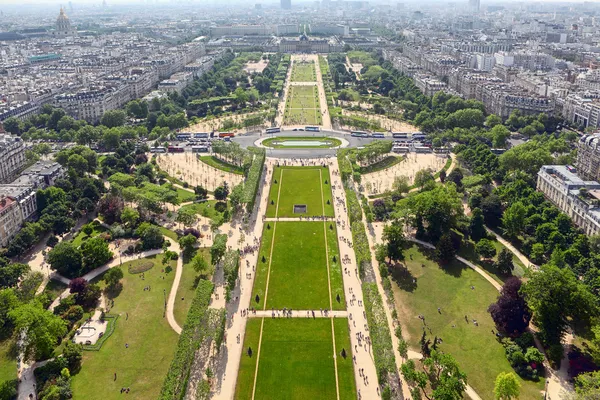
{"x":353,"y":290}
{"x":173,"y":293}
{"x":326,"y":118}
{"x":522,"y":257}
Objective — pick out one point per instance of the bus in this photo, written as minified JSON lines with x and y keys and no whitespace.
{"x":359,"y":134}
{"x":183,"y":136}
{"x":423,"y":149}
{"x":418,"y":136}
{"x":199,"y":149}
{"x":400,"y":135}
{"x":158,"y":150}
{"x":400,"y":149}
{"x":226,"y":134}
{"x":175,"y":149}
{"x":378,"y":135}
{"x":312,"y":129}
{"x":201,"y":135}
{"x":273,"y":130}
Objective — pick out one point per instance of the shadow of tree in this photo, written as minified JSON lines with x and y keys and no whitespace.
{"x":403,"y":277}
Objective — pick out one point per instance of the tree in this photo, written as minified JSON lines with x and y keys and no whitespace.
{"x":510,"y":312}
{"x":476,"y":225}
{"x":8,"y":302}
{"x":201,"y":193}
{"x":201,"y":266}
{"x":444,"y":249}
{"x":218,"y":249}
{"x":66,"y":259}
{"x":12,"y":125}
{"x":492,"y":120}
{"x":113,"y":118}
{"x":441,"y":377}
{"x":513,"y":219}
{"x":423,"y":177}
{"x":150,"y":236}
{"x":187,"y":243}
{"x":499,"y":136}
{"x":558,"y":299}
{"x":221,"y":192}
{"x":186,"y":216}
{"x":456,"y":176}
{"x":95,"y":253}
{"x":237,"y":195}
{"x":507,"y":386}
{"x":587,"y":386}
{"x":394,"y":241}
{"x":42,"y":329}
{"x":111,"y":207}
{"x":491,"y":206}
{"x":11,"y":274}
{"x":73,"y":353}
{"x":505,"y":262}
{"x":401,"y":184}
{"x":485,"y":248}
{"x":130,"y":216}
{"x":112,"y":277}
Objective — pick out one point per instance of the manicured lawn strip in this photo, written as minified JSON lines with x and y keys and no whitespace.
{"x":143,"y":365}
{"x":387,"y":162}
{"x":474,"y":347}
{"x":245,"y":379}
{"x":296,"y":360}
{"x":345,"y":366}
{"x":302,"y":106}
{"x":8,"y":360}
{"x":260,"y":281}
{"x":222,"y":165}
{"x":298,"y":278}
{"x":304,"y":72}
{"x":335,"y":268}
{"x":187,"y":287}
{"x":81,"y":237}
{"x":300,"y":185}
{"x":327,"y":142}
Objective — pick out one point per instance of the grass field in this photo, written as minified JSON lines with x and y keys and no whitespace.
{"x":8,"y":360}
{"x":304,"y":72}
{"x":81,"y":237}
{"x":474,"y":347}
{"x":296,"y":360}
{"x":206,"y":209}
{"x":302,"y":106}
{"x":325,"y":142}
{"x":300,"y":185}
{"x":151,"y":341}
{"x":222,"y":165}
{"x":187,"y":287}
{"x":298,"y":268}
{"x":184,"y":195}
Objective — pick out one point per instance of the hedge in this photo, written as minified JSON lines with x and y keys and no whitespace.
{"x":344,"y":164}
{"x":231,"y":264}
{"x":193,"y":333}
{"x":111,"y":321}
{"x":253,"y":179}
{"x":381,"y":339}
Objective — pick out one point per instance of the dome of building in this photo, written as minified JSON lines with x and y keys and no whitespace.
{"x":63,"y":25}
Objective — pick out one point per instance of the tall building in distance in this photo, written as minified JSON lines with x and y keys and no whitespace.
{"x":286,"y":4}
{"x":63,"y":26}
{"x":474,"y":6}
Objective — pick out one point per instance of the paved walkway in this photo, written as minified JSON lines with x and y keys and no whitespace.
{"x":522,"y":257}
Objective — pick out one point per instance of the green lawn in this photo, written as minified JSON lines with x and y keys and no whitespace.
{"x":8,"y":360}
{"x":187,"y":288}
{"x":296,"y":360}
{"x":206,"y":209}
{"x":304,"y":72}
{"x":298,"y":276}
{"x":324,"y":142}
{"x":474,"y":347}
{"x":302,"y":106}
{"x":143,"y":365}
{"x":81,"y":237}
{"x":54,"y":288}
{"x":300,"y":185}
{"x":184,"y":195}
{"x":222,"y":165}
{"x":168,"y":233}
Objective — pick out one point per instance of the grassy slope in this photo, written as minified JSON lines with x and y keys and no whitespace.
{"x":474,"y":347}
{"x":142,"y":366}
{"x":187,"y":288}
{"x":222,"y":165}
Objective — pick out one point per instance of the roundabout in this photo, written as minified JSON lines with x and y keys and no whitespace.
{"x":301,"y":142}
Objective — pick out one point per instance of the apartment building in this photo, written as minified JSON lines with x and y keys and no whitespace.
{"x":10,"y":220}
{"x":12,"y":157}
{"x":577,"y":198}
{"x":588,"y":156}
{"x":583,"y":109}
